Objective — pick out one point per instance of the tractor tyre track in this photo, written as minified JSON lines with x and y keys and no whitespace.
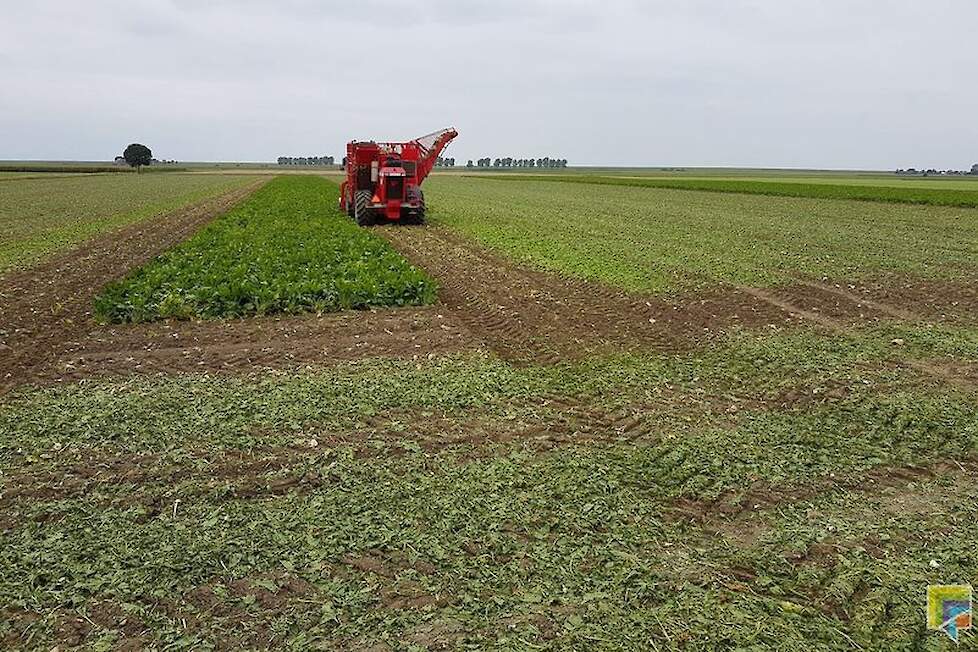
{"x":947,"y":374}
{"x":252,"y":344}
{"x":527,"y":315}
{"x":895,"y":312}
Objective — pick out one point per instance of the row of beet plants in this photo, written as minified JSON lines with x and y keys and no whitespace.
{"x":287,"y":249}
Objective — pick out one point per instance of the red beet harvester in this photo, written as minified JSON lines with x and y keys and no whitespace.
{"x":383,"y":180}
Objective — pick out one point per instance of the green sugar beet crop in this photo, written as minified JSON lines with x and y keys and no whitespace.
{"x":286,"y":249}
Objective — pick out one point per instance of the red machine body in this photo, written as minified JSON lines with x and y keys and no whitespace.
{"x":383,"y":180}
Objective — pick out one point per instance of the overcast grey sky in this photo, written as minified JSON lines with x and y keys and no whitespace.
{"x":786,"y":83}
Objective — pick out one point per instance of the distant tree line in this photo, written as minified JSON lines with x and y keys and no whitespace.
{"x":305,"y":160}
{"x":931,"y":172}
{"x":121,"y":160}
{"x":444,"y":162}
{"x":509,"y":162}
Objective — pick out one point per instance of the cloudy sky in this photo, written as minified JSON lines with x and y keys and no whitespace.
{"x":785,"y":83}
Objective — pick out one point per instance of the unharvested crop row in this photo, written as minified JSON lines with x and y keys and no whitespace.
{"x":287,"y":249}
{"x":901,"y":195}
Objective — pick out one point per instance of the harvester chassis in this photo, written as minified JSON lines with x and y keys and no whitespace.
{"x":383,"y":180}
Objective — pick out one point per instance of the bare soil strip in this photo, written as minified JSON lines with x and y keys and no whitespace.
{"x":50,"y":303}
{"x":943,"y":373}
{"x":924,"y":300}
{"x":835,"y":303}
{"x":892,"y":311}
{"x":526,"y":315}
{"x":245,"y":345}
{"x":807,"y":314}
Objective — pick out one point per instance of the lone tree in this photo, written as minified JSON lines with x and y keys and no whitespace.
{"x":137,"y":155}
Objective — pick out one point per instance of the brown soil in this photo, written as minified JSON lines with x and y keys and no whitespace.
{"x":763,"y":496}
{"x":158,"y":485}
{"x":527,"y":315}
{"x":931,"y":300}
{"x":845,"y":294}
{"x":49,"y":305}
{"x":47,"y":334}
{"x":814,"y":303}
{"x":245,"y":345}
{"x":244,"y":619}
{"x":74,"y":628}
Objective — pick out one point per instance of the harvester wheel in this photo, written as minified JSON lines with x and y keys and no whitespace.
{"x":360,"y":211}
{"x":417,"y":217}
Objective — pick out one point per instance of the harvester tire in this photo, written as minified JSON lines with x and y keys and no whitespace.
{"x":361,"y":213}
{"x":417,"y":217}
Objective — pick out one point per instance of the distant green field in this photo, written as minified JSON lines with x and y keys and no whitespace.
{"x":39,"y":216}
{"x":960,"y":193}
{"x":287,"y":249}
{"x":857,"y":177}
{"x":58,"y":167}
{"x":14,"y":176}
{"x":968,"y":183}
{"x":646,"y":238}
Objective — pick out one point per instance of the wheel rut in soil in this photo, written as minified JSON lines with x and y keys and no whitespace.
{"x":796,"y":304}
{"x":526,"y":315}
{"x":252,"y":344}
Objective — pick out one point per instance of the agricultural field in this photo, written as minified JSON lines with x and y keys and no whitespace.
{"x":801,"y":176}
{"x":565,"y":416}
{"x":669,"y":240}
{"x":41,"y":215}
{"x":286,"y":249}
{"x":870,"y":180}
{"x":962,"y":192}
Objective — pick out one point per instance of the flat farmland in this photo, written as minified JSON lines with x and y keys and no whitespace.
{"x":42,"y":214}
{"x":615,"y":417}
{"x":287,"y":249}
{"x":663,"y":239}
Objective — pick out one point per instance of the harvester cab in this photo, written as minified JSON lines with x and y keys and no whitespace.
{"x":383,"y":180}
{"x":391,"y":188}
